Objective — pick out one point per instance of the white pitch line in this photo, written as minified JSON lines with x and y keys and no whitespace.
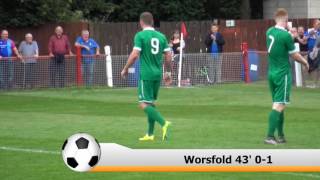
{"x":300,"y":174}
{"x":28,"y":150}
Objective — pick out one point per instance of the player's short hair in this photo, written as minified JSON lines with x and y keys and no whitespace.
{"x":281,"y":15}
{"x":147,"y":18}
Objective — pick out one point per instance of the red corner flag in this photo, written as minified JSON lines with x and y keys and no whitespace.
{"x":184,"y":30}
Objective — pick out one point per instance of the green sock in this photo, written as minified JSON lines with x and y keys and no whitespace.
{"x":273,"y":122}
{"x":280,"y":127}
{"x":151,"y":123}
{"x":154,"y":114}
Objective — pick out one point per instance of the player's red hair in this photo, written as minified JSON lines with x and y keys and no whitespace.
{"x":281,"y":15}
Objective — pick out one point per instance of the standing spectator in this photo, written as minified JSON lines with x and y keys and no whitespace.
{"x":59,"y":46}
{"x":314,"y":61}
{"x":89,"y":47}
{"x":302,"y":40}
{"x":312,"y":34}
{"x":7,"y":48}
{"x":294,"y":32}
{"x":175,"y":46}
{"x":214,"y":42}
{"x":30,"y":52}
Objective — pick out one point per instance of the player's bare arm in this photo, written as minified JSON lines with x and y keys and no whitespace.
{"x":297,"y":57}
{"x":167,"y":65}
{"x":132,"y":58}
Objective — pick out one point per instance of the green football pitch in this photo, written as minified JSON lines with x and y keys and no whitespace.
{"x":224,"y":116}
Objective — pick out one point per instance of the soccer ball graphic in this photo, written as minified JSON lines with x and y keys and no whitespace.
{"x":81,"y":152}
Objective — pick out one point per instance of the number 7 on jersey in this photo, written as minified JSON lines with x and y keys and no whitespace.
{"x":271,"y":43}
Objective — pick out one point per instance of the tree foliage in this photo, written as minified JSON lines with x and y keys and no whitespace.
{"x":165,"y":10}
{"x":20,"y":13}
{"x":94,"y":10}
{"x":33,"y":12}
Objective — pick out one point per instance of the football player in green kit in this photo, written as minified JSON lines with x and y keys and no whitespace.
{"x":150,"y":46}
{"x":280,"y":46}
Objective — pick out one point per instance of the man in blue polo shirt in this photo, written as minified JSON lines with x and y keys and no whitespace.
{"x":89,"y":48}
{"x":7,"y":48}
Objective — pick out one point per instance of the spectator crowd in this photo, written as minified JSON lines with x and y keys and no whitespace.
{"x":59,"y":47}
{"x":309,"y":44}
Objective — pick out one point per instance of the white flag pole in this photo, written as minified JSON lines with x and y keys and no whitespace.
{"x":298,"y":69}
{"x":108,"y":66}
{"x":180,"y":61}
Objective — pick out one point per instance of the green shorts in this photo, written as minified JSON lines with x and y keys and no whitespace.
{"x":280,"y":87}
{"x":148,"y":90}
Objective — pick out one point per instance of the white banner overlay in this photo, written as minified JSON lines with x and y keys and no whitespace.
{"x":115,"y":157}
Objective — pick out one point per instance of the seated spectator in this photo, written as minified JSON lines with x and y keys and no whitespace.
{"x":89,"y":47}
{"x":7,"y":48}
{"x":29,"y":51}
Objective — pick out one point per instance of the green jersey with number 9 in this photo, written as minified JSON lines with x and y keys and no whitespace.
{"x":280,"y":44}
{"x":151,"y":44}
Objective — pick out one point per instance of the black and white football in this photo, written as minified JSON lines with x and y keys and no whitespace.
{"x":81,"y":152}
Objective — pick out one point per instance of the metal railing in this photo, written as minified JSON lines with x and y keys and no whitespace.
{"x":197,"y":70}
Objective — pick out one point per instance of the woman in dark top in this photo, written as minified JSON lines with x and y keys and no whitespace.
{"x":175,"y":43}
{"x":299,"y":37}
{"x":302,"y":39}
{"x":175,"y":46}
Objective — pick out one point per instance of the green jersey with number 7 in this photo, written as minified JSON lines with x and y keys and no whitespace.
{"x":280,"y":44}
{"x":151,"y":44}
